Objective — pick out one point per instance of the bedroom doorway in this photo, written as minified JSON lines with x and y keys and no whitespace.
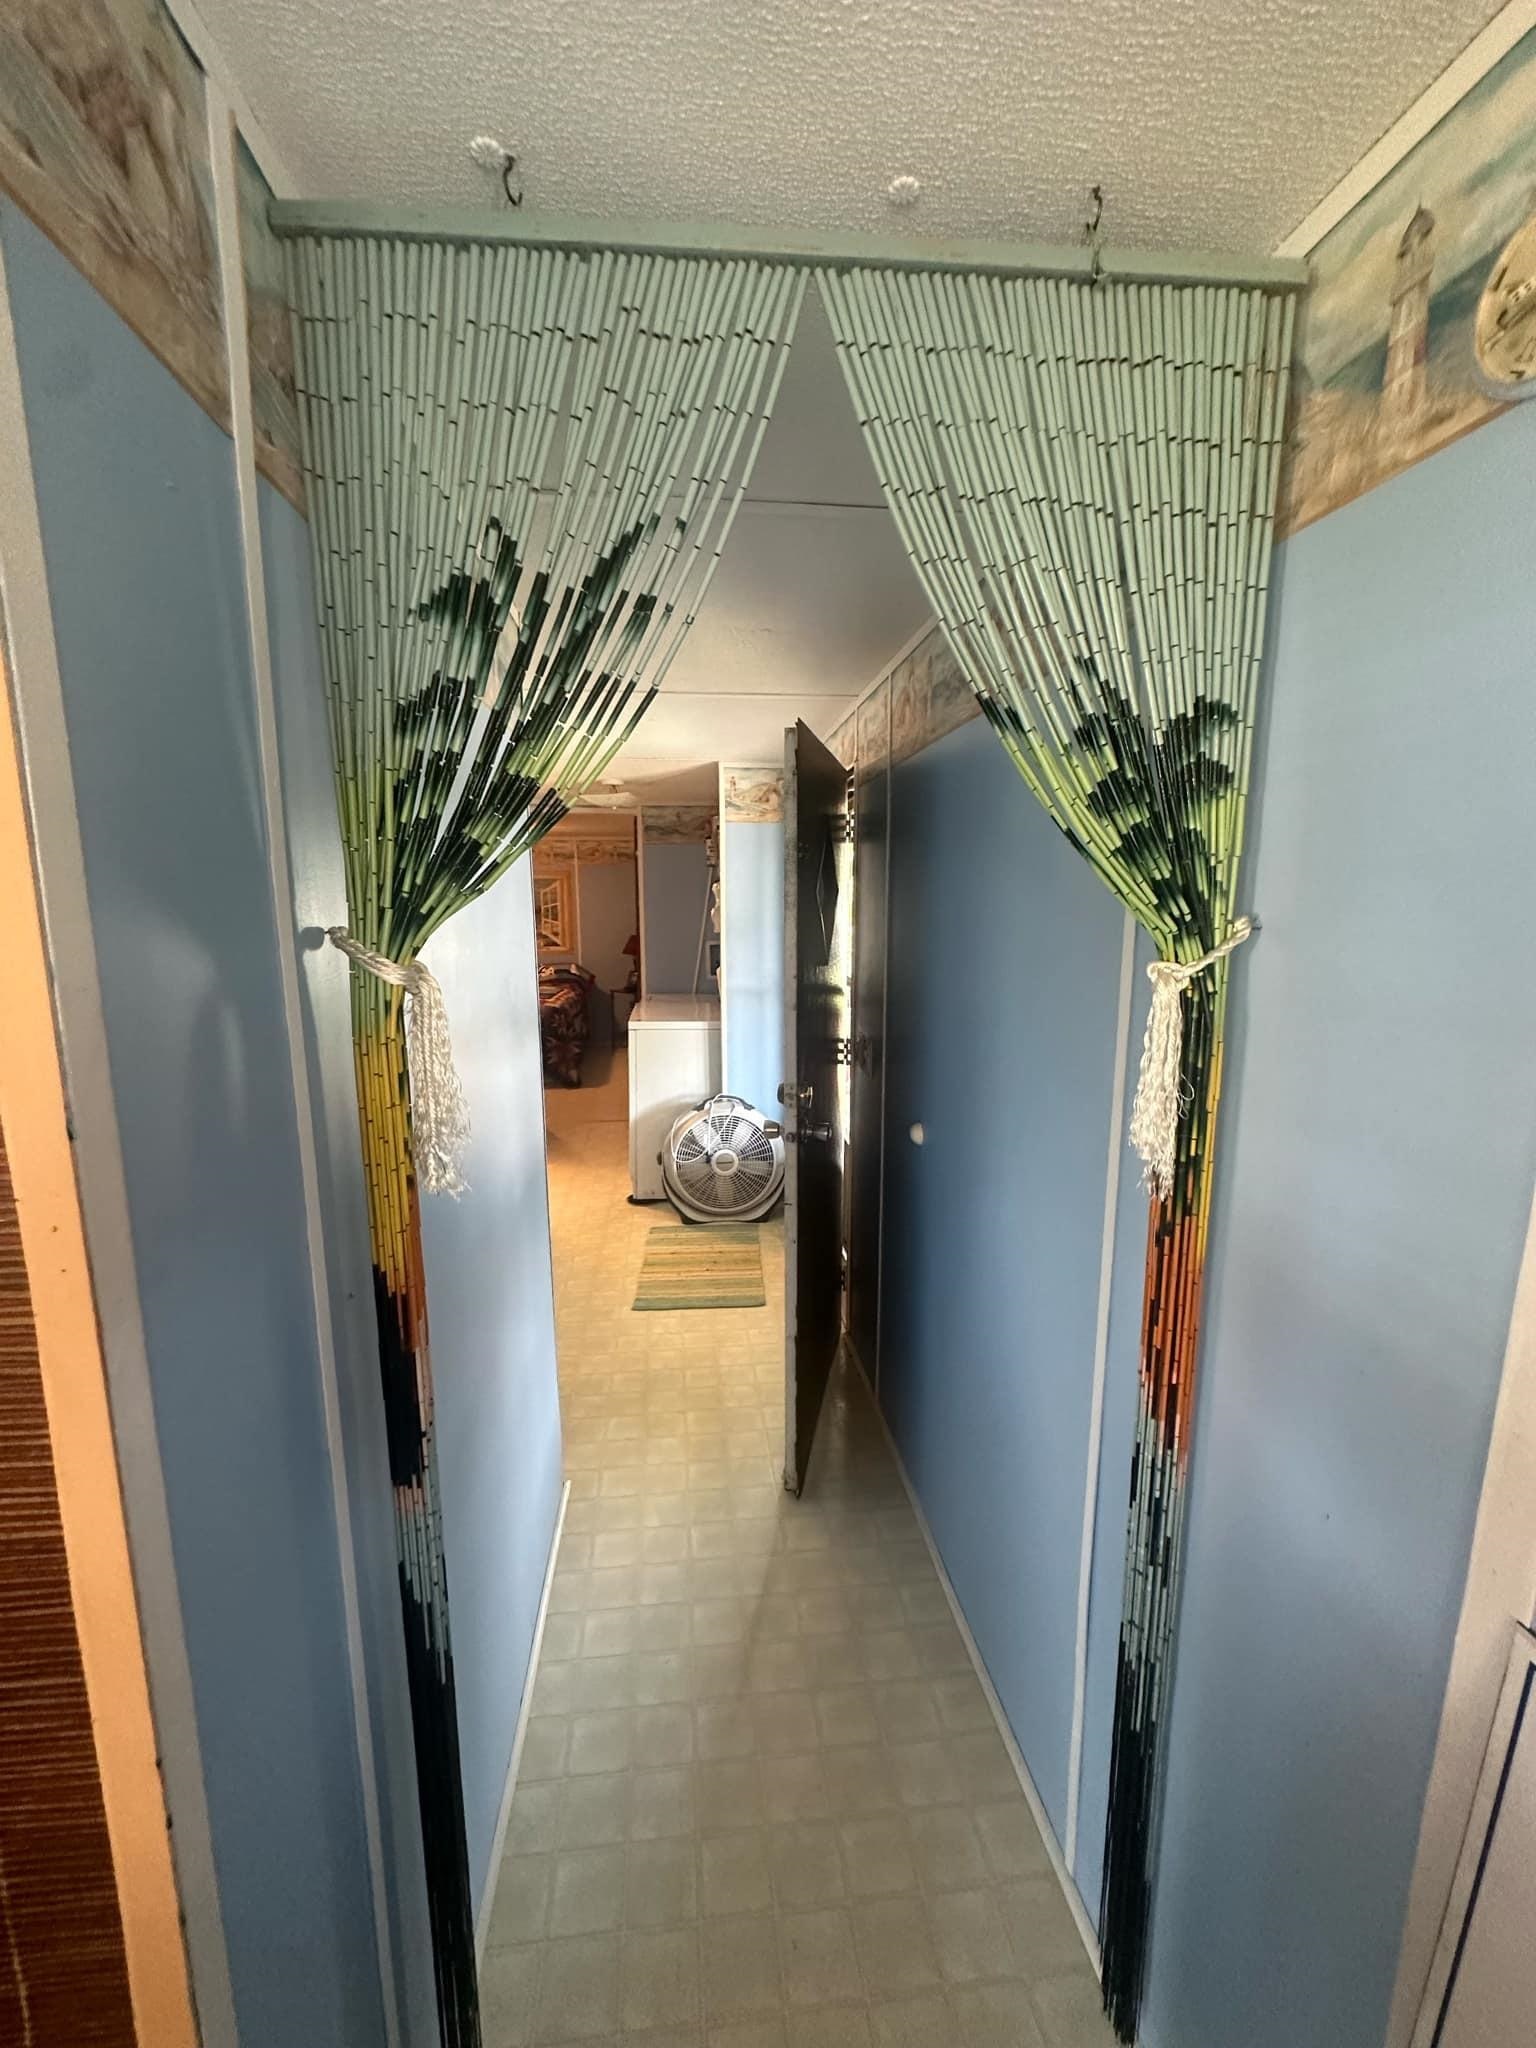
{"x":814,"y":600}
{"x":587,"y":921}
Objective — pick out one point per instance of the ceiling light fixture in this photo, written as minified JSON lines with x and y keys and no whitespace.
{"x":903,"y":191}
{"x":605,"y":796}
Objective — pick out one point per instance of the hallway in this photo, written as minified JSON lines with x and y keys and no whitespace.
{"x":762,"y":1800}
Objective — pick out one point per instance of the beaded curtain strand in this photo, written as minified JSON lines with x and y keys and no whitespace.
{"x":1084,"y":475}
{"x":523,"y":467}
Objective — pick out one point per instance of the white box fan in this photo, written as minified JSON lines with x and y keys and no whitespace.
{"x":723,"y":1162}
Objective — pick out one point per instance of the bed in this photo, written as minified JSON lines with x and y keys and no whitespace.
{"x":565,"y":1022}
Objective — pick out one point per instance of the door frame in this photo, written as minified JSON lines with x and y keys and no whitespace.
{"x":1512,"y":1706}
{"x":860,"y":1076}
{"x":93,"y":1509}
{"x":1500,"y":1590}
{"x":66,"y":1063}
{"x":794,"y":1120}
{"x":788,"y":1104}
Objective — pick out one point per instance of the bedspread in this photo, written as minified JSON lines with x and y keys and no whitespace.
{"x":565,"y":1022}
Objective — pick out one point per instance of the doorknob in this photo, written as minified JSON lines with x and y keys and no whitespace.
{"x":820,"y":1132}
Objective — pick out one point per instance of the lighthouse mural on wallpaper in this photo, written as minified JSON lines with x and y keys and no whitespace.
{"x":1405,"y":381}
{"x":1386,"y":371}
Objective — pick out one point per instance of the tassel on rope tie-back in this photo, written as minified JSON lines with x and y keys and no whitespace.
{"x":1160,"y":1097}
{"x":439,"y":1115}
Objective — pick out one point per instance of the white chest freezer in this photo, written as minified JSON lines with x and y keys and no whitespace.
{"x":674,"y":1062}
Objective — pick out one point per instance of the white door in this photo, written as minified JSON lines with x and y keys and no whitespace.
{"x":1482,"y":1993}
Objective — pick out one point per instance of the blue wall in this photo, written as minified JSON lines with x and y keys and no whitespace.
{"x":1380,"y":1140}
{"x":493,"y":1339}
{"x":320,"y":899}
{"x":136,"y":495}
{"x":752,"y":960}
{"x":675,"y":885}
{"x":1004,"y":970}
{"x":608,"y":914}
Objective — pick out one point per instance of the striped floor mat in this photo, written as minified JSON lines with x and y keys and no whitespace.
{"x":701,"y":1265}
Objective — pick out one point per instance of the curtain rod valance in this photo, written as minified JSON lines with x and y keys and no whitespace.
{"x":805,"y":248}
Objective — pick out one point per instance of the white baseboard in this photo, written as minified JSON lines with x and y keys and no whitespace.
{"x":503,"y":1818}
{"x":1080,"y":1914}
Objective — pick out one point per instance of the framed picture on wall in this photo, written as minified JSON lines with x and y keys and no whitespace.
{"x":552,"y":913}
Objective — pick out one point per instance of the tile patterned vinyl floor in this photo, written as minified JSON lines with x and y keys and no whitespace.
{"x":762,"y":1801}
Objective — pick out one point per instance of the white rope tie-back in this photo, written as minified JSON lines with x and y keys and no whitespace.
{"x":439,"y":1114}
{"x":1160,"y":1097}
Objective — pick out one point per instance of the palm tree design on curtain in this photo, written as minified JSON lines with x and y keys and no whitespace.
{"x":524,"y":463}
{"x":443,"y":857}
{"x":1163,"y":795}
{"x":1084,"y":473}
{"x":1158,"y":793}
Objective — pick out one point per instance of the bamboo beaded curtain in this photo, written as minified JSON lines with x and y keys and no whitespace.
{"x":523,"y":466}
{"x":1084,"y":475}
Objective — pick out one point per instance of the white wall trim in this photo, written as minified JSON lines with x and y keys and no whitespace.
{"x":644,"y":960}
{"x":1502,"y":1739}
{"x":1092,"y":1475}
{"x":791,"y":1119}
{"x":1500,"y":1590}
{"x":723,"y":979}
{"x":55,"y":826}
{"x":205,"y":49}
{"x":1453,"y":84}
{"x":885,"y":1029}
{"x":221,"y":145}
{"x":536,"y":1651}
{"x":1082,"y":1920}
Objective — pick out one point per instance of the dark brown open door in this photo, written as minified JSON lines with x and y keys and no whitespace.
{"x":815,"y":814}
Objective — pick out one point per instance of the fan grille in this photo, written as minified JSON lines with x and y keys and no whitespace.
{"x":721,"y":1162}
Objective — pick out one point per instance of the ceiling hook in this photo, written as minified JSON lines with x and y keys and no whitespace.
{"x":1092,"y":228}
{"x":494,"y":156}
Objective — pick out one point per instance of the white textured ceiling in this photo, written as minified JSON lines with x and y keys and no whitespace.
{"x":813,"y":596}
{"x":1211,"y":123}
